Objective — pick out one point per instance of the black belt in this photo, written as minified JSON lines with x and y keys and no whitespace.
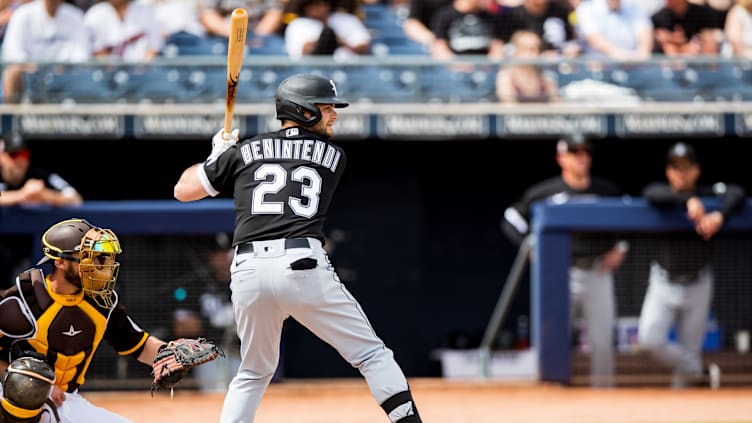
{"x":289,"y":243}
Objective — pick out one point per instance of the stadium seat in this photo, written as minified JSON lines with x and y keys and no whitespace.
{"x":378,"y":84}
{"x":567,"y":73}
{"x":153,"y":84}
{"x":723,"y":82}
{"x":387,"y":34}
{"x":640,"y":77}
{"x":380,"y":19}
{"x":398,"y":46}
{"x":209,"y":83}
{"x":670,"y":93}
{"x":272,"y":45}
{"x":75,"y":84}
{"x":186,"y":44}
{"x":441,"y":84}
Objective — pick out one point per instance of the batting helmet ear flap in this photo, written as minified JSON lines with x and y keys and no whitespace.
{"x":288,"y":110}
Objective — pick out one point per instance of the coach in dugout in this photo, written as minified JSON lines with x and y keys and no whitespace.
{"x":594,"y":259}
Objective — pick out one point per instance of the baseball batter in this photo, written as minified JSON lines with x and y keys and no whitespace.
{"x":591,"y":280}
{"x":680,"y":285}
{"x":65,"y":315}
{"x":26,"y":387}
{"x":283,"y":183}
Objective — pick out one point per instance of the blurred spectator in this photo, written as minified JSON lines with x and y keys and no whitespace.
{"x":178,"y":16}
{"x":466,"y":27}
{"x":649,"y":7}
{"x":549,"y":20}
{"x":265,"y":17}
{"x":124,"y":29}
{"x":318,"y":31}
{"x":685,"y":29}
{"x":21,"y":184}
{"x":200,"y":306}
{"x":719,"y":10}
{"x":616,"y":29}
{"x":41,"y":30}
{"x":525,"y":82}
{"x":7,"y":7}
{"x":84,"y":5}
{"x":417,"y":26}
{"x":738,"y":28}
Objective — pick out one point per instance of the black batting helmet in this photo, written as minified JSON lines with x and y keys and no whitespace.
{"x":27,"y":383}
{"x":302,"y":92}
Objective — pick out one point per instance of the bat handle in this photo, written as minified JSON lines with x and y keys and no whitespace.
{"x":228,"y":123}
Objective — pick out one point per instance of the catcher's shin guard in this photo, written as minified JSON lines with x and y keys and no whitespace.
{"x":400,"y":408}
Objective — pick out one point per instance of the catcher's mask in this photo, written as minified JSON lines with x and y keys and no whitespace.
{"x":27,"y":383}
{"x":302,"y":92}
{"x":98,"y":267}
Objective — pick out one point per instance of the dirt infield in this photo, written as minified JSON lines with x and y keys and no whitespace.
{"x":445,"y":401}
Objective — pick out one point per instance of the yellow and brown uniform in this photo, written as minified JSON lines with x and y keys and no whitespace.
{"x":67,"y":329}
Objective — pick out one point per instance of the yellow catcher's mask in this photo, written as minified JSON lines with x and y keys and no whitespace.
{"x":98,"y":267}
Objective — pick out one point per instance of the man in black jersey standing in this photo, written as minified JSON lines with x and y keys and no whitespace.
{"x":681,"y":280}
{"x":594,"y":259}
{"x":283,"y":183}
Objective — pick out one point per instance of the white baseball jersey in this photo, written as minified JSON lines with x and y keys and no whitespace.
{"x":34,"y":35}
{"x":130,"y":38}
{"x":349,"y":28}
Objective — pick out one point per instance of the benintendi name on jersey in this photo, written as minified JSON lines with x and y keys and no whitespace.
{"x":315,"y":151}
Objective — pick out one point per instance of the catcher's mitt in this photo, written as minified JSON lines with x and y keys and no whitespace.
{"x":175,"y":358}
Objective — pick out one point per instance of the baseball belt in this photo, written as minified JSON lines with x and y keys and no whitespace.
{"x":289,"y":244}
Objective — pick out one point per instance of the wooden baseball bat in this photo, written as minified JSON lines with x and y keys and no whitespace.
{"x":235,"y":49}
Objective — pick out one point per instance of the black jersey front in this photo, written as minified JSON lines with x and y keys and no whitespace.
{"x":283,"y":183}
{"x":516,"y":222}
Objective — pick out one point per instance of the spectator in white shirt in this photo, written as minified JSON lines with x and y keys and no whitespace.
{"x":616,"y":29}
{"x":738,"y":28}
{"x":41,"y":31}
{"x":318,"y":31}
{"x":174,"y":16}
{"x":124,"y":29}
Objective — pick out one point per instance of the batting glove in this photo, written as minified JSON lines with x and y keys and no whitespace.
{"x":221,"y":141}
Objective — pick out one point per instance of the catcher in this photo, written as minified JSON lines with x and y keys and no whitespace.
{"x":65,"y":316}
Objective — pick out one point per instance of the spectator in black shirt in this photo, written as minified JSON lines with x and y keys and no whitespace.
{"x":549,"y":20}
{"x":417,"y":26}
{"x":466,"y":27}
{"x":686,"y":29}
